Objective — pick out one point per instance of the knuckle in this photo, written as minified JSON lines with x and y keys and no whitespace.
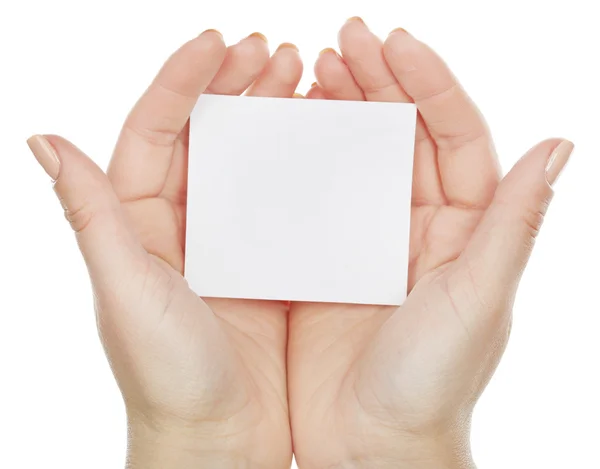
{"x":524,"y":209}
{"x":532,"y":217}
{"x":158,"y":137}
{"x":84,"y":214}
{"x":372,"y":85}
{"x":80,"y":217}
{"x":439,"y":95}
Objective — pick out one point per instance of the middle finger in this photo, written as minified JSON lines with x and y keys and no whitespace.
{"x":363,"y":53}
{"x":243,"y":63}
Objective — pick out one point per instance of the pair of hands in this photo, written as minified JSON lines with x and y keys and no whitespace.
{"x":226,"y":383}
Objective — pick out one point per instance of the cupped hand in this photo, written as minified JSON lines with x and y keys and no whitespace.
{"x":203,"y":379}
{"x":387,"y":387}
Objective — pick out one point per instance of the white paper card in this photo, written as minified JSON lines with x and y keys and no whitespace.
{"x":300,"y":200}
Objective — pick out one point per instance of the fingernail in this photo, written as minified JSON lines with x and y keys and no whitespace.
{"x":314,"y":84}
{"x":213,"y":31}
{"x":259,"y":36}
{"x":298,"y":95}
{"x":288,"y":45}
{"x":45,"y":155}
{"x":398,"y":30}
{"x":558,"y":160}
{"x":327,"y":50}
{"x":355,"y":18}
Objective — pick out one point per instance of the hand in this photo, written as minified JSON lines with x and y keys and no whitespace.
{"x":203,"y":380}
{"x":385,"y":387}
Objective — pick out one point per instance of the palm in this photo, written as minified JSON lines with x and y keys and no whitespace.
{"x":149,"y":174}
{"x":159,"y":222}
{"x":438,"y":232}
{"x":353,"y":369}
{"x":340,"y":367}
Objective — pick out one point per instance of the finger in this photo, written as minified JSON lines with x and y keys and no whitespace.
{"x":362,"y":52}
{"x":427,"y":187}
{"x":92,"y":208}
{"x":143,"y":153}
{"x":334,"y":77}
{"x":281,"y":76}
{"x":316,"y":92}
{"x":243,"y":62}
{"x":468,"y":167}
{"x":500,"y":247}
{"x":242,"y":65}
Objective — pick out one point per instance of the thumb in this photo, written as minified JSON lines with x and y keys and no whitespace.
{"x":91,"y":206}
{"x":500,"y":246}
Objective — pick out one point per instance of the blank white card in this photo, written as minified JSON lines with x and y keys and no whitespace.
{"x":300,"y":200}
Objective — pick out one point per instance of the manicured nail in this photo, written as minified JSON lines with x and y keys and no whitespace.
{"x":287,"y":45}
{"x":558,"y":160}
{"x":398,"y":30}
{"x":355,"y":18}
{"x":213,"y":31}
{"x":298,"y":95}
{"x":327,"y":50}
{"x":314,"y":84}
{"x":45,"y":155}
{"x":259,"y":36}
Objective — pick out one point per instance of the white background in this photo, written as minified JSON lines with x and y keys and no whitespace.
{"x":75,"y":68}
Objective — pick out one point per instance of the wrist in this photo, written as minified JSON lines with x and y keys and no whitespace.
{"x":443,"y":452}
{"x":448,"y":451}
{"x":171,"y":447}
{"x":429,"y":462}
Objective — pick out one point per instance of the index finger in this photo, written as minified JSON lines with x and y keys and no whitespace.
{"x":143,"y":153}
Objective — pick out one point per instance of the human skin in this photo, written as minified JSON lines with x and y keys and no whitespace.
{"x":205,"y":381}
{"x":387,"y":387}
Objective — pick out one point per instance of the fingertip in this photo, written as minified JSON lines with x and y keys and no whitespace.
{"x":353,"y":27}
{"x":533,"y":175}
{"x":211,"y":32}
{"x":336,"y":79}
{"x":328,"y":51}
{"x":45,"y":154}
{"x":329,"y":68}
{"x":287,"y":65}
{"x":208,"y":48}
{"x":252,"y":47}
{"x":540,"y":158}
{"x":288,"y":52}
{"x":355,"y":19}
{"x":328,"y":59}
{"x":280,"y":74}
{"x":398,"y":38}
{"x":287,"y":45}
{"x":60,"y":144}
{"x":76,"y":168}
{"x":548,"y":145}
{"x":558,"y":159}
{"x":397,"y":31}
{"x":260,"y":36}
{"x":211,"y":39}
{"x":401,"y":49}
